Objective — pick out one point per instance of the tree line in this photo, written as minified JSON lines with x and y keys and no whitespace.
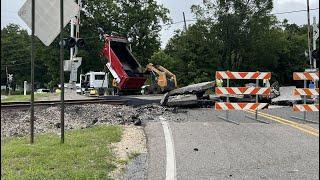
{"x":234,"y":35}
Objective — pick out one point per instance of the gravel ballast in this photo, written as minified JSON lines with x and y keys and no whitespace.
{"x":47,"y":119}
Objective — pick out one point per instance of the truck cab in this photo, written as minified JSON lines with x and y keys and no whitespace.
{"x":94,"y":82}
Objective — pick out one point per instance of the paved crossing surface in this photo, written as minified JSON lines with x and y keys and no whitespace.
{"x":207,"y":147}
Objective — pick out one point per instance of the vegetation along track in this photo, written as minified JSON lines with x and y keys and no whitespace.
{"x":16,"y":105}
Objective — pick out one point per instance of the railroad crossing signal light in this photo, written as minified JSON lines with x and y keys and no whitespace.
{"x":72,"y":42}
{"x":80,"y":43}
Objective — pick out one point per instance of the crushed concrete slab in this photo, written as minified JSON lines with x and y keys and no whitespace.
{"x":182,"y":100}
{"x":197,"y":89}
{"x":193,"y":88}
{"x":286,"y":96}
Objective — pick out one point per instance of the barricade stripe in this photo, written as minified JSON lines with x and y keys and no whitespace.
{"x":239,"y":106}
{"x":315,"y":108}
{"x":246,"y":106}
{"x":315,"y":76}
{"x":217,"y":106}
{"x":256,"y":75}
{"x":242,"y":75}
{"x":306,"y":107}
{"x":306,"y":76}
{"x":306,"y":92}
{"x":235,"y":75}
{"x":255,"y":106}
{"x":237,"y":91}
{"x":243,"y":90}
{"x":229,"y":106}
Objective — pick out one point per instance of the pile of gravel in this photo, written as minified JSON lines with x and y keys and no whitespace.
{"x":47,"y":119}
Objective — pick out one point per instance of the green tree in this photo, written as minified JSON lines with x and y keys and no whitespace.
{"x":15,"y":53}
{"x":238,"y":35}
{"x":138,"y":20}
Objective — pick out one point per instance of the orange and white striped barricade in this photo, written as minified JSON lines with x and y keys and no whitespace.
{"x":227,"y":106}
{"x":306,"y":76}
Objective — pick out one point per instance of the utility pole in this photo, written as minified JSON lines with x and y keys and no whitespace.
{"x":61,"y":73}
{"x":315,"y":36}
{"x":7,"y":84}
{"x":309,"y":39}
{"x":185,"y":23}
{"x":78,"y":26}
{"x":75,"y":22}
{"x":32,"y":72}
{"x":71,"y":35}
{"x":75,"y":61}
{"x":72,"y":21}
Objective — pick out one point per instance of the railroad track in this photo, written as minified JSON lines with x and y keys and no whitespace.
{"x":16,"y":105}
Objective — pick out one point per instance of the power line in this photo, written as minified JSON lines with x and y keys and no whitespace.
{"x":289,"y":12}
{"x":285,"y":12}
{"x":178,"y":22}
{"x":192,"y":20}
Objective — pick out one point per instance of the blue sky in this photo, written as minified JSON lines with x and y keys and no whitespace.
{"x":9,"y":9}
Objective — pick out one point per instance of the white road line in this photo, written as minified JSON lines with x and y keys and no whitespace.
{"x":171,"y":161}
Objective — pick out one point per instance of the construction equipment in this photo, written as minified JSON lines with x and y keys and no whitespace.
{"x":123,"y":66}
{"x":94,"y":83}
{"x":162,"y":80}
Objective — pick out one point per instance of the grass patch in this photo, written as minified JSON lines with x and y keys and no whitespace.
{"x":85,"y":155}
{"x":23,"y":98}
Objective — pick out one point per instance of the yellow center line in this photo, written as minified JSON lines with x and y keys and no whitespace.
{"x":291,"y":122}
{"x":286,"y":122}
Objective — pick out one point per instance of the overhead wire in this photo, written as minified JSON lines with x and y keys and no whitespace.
{"x":295,"y":11}
{"x":190,"y":20}
{"x":178,"y":22}
{"x":285,"y":12}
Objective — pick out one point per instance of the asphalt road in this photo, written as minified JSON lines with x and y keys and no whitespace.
{"x":206,"y":147}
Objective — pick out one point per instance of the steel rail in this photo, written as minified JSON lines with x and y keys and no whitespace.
{"x":15,"y":105}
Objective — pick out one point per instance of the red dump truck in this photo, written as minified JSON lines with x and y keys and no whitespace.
{"x":123,"y":66}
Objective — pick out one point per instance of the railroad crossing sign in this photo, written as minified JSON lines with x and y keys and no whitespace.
{"x":10,"y":78}
{"x":47,"y":17}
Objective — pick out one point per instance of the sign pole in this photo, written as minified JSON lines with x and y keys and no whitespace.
{"x":304,"y":100}
{"x":257,"y":99}
{"x":315,"y":36}
{"x":309,"y":39}
{"x":32,"y":73}
{"x":227,"y":112}
{"x":61,"y":72}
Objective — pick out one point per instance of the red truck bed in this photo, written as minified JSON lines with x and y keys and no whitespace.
{"x":123,"y":64}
